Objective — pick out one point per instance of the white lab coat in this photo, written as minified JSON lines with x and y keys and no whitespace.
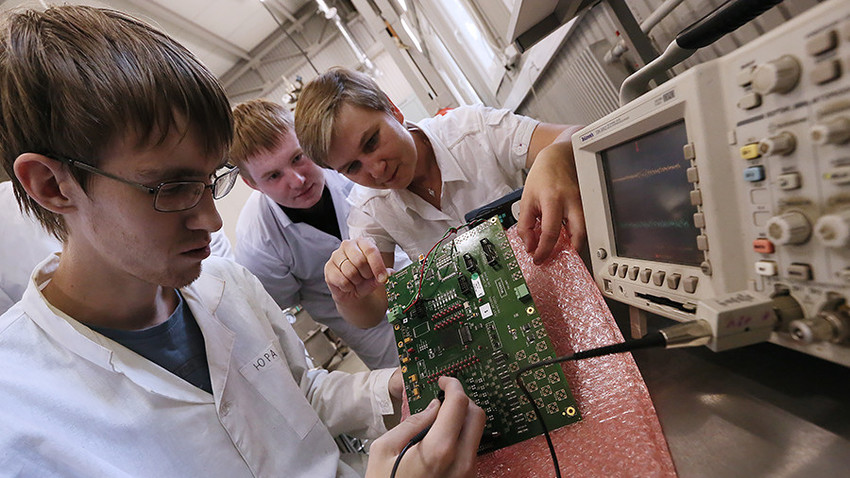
{"x":289,"y":259}
{"x":75,"y":403}
{"x":220,"y":245}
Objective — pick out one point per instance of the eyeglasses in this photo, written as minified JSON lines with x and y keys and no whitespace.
{"x":171,"y":196}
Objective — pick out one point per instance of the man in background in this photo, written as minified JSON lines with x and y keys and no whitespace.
{"x":296,"y":217}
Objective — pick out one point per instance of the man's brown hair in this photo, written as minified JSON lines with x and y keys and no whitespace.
{"x":74,"y":80}
{"x":259,"y":126}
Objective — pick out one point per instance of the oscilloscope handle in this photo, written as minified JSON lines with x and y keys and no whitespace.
{"x":704,"y":31}
{"x":722,"y":20}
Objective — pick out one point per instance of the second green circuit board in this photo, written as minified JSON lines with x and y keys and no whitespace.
{"x":470,"y":315}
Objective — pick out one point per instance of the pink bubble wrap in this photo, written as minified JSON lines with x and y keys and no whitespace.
{"x":619,"y":434}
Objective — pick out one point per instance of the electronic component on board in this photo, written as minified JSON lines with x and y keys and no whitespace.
{"x":470,"y":263}
{"x":490,"y":254}
{"x":480,"y":329}
{"x":464,"y":284}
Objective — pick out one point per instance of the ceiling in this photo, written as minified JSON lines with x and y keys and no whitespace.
{"x":220,"y":32}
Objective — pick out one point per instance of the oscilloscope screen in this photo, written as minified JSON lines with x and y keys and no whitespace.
{"x":649,"y":196}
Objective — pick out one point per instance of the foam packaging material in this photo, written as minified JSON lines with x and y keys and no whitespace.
{"x":620,"y":434}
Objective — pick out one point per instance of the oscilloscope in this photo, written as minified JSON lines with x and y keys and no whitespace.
{"x":727,"y":189}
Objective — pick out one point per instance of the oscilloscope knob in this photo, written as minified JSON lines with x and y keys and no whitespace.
{"x":834,"y":131}
{"x":782,"y":144}
{"x":833,"y":230}
{"x":789,"y":228}
{"x":776,"y":76}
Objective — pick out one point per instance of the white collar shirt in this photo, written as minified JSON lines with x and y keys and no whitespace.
{"x":78,"y":404}
{"x":481,"y":153}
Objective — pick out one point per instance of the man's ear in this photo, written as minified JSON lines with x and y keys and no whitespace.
{"x":397,"y":114}
{"x":47,"y":181}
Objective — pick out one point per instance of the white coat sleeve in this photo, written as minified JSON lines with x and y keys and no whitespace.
{"x":508,"y":134}
{"x":220,"y":245}
{"x":274,"y":271}
{"x":355,"y":404}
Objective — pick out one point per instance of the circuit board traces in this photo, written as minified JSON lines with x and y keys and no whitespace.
{"x":470,"y":315}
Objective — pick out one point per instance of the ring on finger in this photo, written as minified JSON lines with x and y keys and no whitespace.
{"x":339,"y":266}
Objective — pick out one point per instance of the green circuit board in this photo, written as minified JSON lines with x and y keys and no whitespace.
{"x":473,"y":318}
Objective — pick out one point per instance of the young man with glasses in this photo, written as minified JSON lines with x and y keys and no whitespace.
{"x":124,"y":358}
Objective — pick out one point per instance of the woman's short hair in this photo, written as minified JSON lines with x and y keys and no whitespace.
{"x":320,"y":102}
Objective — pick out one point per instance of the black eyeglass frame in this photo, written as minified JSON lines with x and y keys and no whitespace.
{"x":218,"y":188}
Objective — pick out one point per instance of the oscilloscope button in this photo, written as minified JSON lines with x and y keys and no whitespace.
{"x":839,"y":175}
{"x":693,"y":174}
{"x":763,"y":246}
{"x":750,"y":151}
{"x":789,"y":181}
{"x":673,"y":280}
{"x":754,"y":174}
{"x":800,"y":271}
{"x":624,"y":269}
{"x":658,"y":278}
{"x":689,"y":284}
{"x":696,"y":197}
{"x":745,"y":76}
{"x":699,"y":220}
{"x":702,"y":242}
{"x":688,"y":151}
{"x":633,"y":272}
{"x":825,"y":72}
{"x":612,"y":269}
{"x":645,"y":275}
{"x":822,"y":43}
{"x":766,"y":268}
{"x":749,"y":101}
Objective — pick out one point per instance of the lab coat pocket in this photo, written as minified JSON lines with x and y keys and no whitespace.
{"x":269,"y":374}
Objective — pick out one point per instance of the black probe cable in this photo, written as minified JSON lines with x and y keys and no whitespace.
{"x":653,"y":340}
{"x":686,"y":334}
{"x":416,"y":439}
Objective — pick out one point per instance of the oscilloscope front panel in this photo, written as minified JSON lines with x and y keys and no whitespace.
{"x":762,"y":170}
